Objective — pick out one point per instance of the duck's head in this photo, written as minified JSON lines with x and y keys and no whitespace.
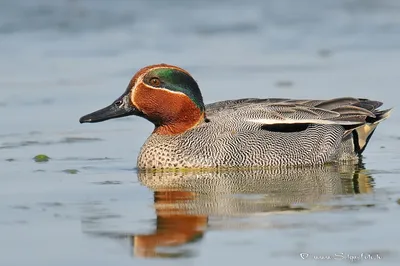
{"x":166,"y":95}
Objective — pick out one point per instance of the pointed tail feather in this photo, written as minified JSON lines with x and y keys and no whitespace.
{"x":362,"y":134}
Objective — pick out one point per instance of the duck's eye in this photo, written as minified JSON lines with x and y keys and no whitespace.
{"x":118,"y":102}
{"x":155,"y":82}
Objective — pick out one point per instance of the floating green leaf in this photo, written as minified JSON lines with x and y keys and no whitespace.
{"x":41,"y":158}
{"x":71,"y":171}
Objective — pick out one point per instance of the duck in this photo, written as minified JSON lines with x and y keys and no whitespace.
{"x":239,"y":133}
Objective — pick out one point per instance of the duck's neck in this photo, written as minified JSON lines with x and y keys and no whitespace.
{"x":185,"y":122}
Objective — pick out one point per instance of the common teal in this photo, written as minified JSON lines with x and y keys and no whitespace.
{"x":247,"y":132}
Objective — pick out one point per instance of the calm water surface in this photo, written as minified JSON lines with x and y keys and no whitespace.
{"x":88,"y":206}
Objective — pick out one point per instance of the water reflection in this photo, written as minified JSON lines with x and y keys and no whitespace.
{"x":188,"y":204}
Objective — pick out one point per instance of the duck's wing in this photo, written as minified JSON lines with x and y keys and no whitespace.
{"x":358,"y":117}
{"x":343,"y":111}
{"x":231,"y":105}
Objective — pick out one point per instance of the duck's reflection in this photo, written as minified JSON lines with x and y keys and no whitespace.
{"x":184,"y":201}
{"x":174,"y":226}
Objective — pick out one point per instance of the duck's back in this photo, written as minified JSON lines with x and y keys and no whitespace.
{"x":269,"y":132}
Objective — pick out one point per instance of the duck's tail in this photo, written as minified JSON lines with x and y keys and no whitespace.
{"x":362,"y":134}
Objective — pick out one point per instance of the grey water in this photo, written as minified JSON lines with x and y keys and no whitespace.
{"x":61,"y":59}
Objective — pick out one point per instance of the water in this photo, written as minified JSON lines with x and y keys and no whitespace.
{"x":62,"y":59}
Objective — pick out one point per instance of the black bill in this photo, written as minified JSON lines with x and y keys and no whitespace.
{"x":119,"y":108}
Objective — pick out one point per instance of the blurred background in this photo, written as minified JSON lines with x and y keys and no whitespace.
{"x":61,"y":59}
{"x":70,"y":54}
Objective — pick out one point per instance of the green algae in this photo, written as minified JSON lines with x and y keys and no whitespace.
{"x":70,"y":171}
{"x":41,"y":158}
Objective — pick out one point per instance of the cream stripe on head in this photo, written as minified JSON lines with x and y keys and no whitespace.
{"x":139,"y":76}
{"x":147,"y":69}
